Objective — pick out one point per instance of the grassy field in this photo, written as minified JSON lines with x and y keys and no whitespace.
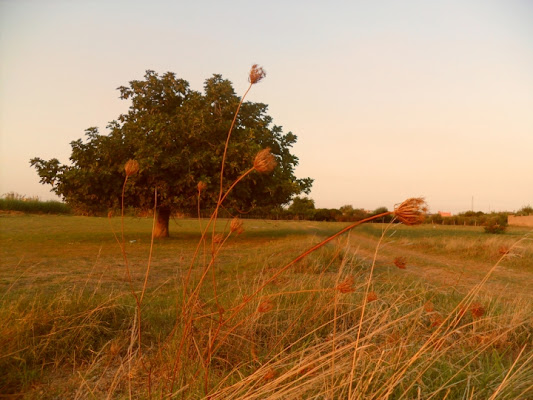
{"x":386,"y":311}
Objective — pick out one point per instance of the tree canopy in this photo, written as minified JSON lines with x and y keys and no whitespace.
{"x":177,"y":135}
{"x":302,"y":207}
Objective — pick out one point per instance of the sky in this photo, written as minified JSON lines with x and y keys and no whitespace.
{"x":388,"y":99}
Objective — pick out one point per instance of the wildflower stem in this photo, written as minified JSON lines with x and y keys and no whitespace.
{"x":151,"y":248}
{"x":365,"y":301}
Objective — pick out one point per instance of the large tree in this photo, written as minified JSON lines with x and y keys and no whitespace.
{"x":178,"y":137}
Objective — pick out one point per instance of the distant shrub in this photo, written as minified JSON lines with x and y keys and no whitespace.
{"x":302,"y":208}
{"x":525,"y":211}
{"x":495,"y":225}
{"x":326,"y":214}
{"x":16,"y":202}
{"x":381,"y":210}
{"x":472,"y":218}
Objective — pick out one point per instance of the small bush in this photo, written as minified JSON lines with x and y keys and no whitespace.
{"x":494,"y":225}
{"x":525,"y":211}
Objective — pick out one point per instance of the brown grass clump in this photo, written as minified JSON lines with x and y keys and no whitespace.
{"x":477,"y":310}
{"x":400,"y":262}
{"x":256,"y":74}
{"x":411,"y":211}
{"x":265,"y":162}
{"x":131,"y":167}
{"x":346,"y":286}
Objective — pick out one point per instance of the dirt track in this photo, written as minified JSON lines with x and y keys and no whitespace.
{"x":446,"y":272}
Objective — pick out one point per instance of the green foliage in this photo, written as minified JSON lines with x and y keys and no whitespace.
{"x":435,"y":219}
{"x":177,"y":135}
{"x":15,"y":202}
{"x":472,"y":214}
{"x":346,"y":209}
{"x":327,"y":214}
{"x":381,"y":210}
{"x":525,"y":211}
{"x":302,"y":207}
{"x":471,"y":218}
{"x":495,"y":224}
{"x":352,"y":214}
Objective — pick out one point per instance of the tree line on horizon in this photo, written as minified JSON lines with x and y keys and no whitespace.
{"x":301,"y":208}
{"x":304,"y":208}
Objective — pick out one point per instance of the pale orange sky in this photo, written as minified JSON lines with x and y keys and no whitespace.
{"x":388,"y":99}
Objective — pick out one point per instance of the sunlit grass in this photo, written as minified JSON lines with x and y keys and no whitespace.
{"x":68,"y":315}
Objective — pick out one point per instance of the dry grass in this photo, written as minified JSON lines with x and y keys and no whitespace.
{"x":302,"y":337}
{"x":235,"y":315}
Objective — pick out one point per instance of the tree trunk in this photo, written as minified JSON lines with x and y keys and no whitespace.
{"x":161,"y":223}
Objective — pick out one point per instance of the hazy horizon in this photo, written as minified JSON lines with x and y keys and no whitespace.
{"x":389,"y":100}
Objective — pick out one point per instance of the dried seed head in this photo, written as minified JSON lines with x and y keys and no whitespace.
{"x":256,"y":74}
{"x":218,"y":238}
{"x":436,"y":320}
{"x":477,"y":310}
{"x":201,"y":186}
{"x":265,"y":162}
{"x":110,"y":214}
{"x":270,"y":374}
{"x":346,"y":286}
{"x":265,"y":306}
{"x":428,"y":307}
{"x":131,"y":167}
{"x":236,"y":226}
{"x":372,"y":296}
{"x":411,"y":211}
{"x":400,"y":262}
